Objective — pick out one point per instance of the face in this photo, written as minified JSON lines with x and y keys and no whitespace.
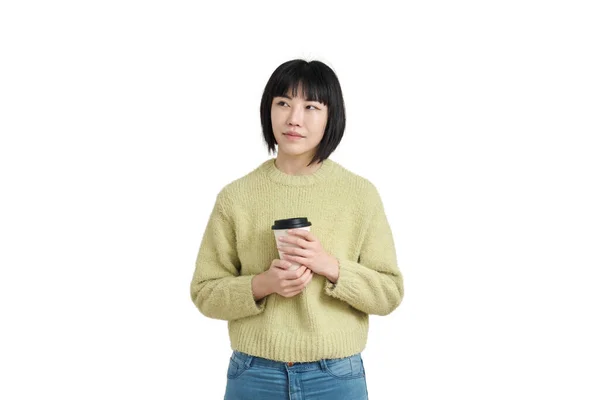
{"x":298,"y":124}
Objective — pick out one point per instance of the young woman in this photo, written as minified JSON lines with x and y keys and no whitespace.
{"x":298,"y":334}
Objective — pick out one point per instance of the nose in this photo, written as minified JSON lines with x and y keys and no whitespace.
{"x":295,"y":116}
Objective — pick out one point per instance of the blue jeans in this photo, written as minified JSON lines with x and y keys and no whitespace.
{"x":255,"y":378}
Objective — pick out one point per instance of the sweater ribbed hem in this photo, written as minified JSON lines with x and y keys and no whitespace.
{"x":299,"y":347}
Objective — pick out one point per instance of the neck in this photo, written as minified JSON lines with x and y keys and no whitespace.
{"x":295,"y":165}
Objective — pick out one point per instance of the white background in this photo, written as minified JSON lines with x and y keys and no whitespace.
{"x":478,"y":121}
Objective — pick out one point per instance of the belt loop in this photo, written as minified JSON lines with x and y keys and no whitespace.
{"x":323,"y":365}
{"x":354,"y":363}
{"x":248,"y":362}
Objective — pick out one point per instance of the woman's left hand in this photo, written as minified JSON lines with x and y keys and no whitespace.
{"x":310,"y":253}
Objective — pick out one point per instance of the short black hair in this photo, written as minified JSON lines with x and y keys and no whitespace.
{"x":319,"y":83}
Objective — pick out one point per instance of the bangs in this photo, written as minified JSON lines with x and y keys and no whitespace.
{"x":309,"y":80}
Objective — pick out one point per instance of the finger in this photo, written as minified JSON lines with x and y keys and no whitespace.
{"x":307,"y":278}
{"x":295,"y":251}
{"x":281,"y":264}
{"x":298,"y":241}
{"x":294,"y":274}
{"x":307,"y":235}
{"x":301,"y":281}
{"x":297,"y":259}
{"x":296,"y":288}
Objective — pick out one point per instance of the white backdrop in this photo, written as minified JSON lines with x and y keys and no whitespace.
{"x":477,"y":121}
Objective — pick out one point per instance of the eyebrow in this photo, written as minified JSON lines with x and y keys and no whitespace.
{"x":289,"y":98}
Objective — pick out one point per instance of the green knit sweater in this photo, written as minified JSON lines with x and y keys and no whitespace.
{"x":326,"y":320}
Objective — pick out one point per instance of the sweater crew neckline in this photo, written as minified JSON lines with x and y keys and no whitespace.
{"x":276,"y":175}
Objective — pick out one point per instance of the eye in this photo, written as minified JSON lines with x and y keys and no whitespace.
{"x":311,"y":107}
{"x":282,"y":103}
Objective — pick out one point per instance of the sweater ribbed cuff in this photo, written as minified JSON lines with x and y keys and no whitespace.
{"x":347,"y":287}
{"x":248,"y":306}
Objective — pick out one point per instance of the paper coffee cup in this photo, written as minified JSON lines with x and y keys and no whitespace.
{"x":280,"y":227}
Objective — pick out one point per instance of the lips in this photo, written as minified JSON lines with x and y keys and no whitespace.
{"x":293,"y":134}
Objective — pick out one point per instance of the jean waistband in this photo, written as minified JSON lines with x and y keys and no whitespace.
{"x":248,"y":360}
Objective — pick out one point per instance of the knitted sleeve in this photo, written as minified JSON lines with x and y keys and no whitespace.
{"x":217,"y":288}
{"x":374,"y":283}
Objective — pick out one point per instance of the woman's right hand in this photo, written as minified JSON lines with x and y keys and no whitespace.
{"x":279,"y":279}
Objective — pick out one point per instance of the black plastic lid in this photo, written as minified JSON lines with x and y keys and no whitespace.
{"x":291,"y":223}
